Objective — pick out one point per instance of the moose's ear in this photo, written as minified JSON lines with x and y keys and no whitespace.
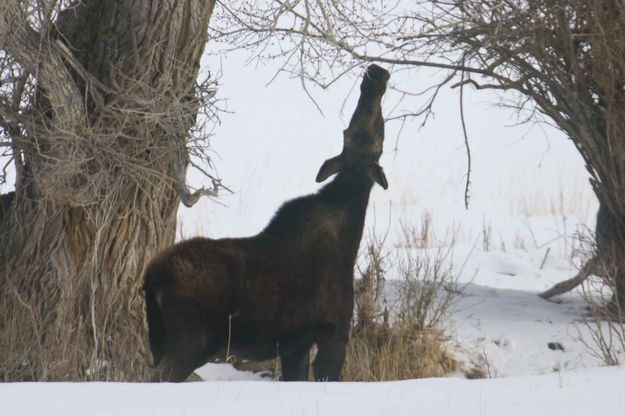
{"x":329,"y":168}
{"x":377,"y":174}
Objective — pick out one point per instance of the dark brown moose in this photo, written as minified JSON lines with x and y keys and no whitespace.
{"x":283,"y":290}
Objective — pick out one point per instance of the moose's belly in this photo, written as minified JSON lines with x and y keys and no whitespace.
{"x":258,"y":343}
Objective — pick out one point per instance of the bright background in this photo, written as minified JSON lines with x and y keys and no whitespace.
{"x":273,"y":139}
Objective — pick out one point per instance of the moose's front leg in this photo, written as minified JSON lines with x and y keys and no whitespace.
{"x":295,"y":364}
{"x":330,"y":357}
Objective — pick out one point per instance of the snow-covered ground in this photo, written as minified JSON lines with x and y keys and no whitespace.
{"x":584,"y":392}
{"x":529,"y":197}
{"x":500,"y":320}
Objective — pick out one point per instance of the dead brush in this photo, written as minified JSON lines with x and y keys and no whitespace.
{"x":419,"y":237}
{"x":405,"y":340}
{"x":603,"y":327}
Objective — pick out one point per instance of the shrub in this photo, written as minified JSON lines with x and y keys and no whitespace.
{"x":405,"y":338}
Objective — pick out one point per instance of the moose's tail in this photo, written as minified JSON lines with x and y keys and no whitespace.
{"x":156,"y":325}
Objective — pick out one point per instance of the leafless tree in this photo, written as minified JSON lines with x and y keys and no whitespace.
{"x":99,"y":107}
{"x":560,"y":60}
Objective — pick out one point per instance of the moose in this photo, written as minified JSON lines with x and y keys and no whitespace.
{"x":283,"y":290}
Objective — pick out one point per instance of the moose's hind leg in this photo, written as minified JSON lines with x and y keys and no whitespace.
{"x":189,"y":342}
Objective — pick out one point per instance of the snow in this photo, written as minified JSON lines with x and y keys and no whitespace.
{"x":599,"y":391}
{"x":529,"y":197}
{"x":512,"y":327}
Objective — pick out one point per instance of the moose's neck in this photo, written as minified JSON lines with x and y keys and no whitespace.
{"x":347,"y":197}
{"x":348,"y":191}
{"x":336,"y":212}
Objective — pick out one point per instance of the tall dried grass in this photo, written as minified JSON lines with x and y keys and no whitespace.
{"x":603,"y":327}
{"x":405,"y":338}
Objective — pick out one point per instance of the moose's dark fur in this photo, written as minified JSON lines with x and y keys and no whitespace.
{"x":283,"y":290}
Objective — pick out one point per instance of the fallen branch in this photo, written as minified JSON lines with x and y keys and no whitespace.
{"x":567,"y":285}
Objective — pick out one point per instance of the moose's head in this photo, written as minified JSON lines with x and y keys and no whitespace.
{"x":363,"y":139}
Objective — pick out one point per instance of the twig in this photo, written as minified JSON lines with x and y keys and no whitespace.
{"x":542,"y":263}
{"x":466,"y":142}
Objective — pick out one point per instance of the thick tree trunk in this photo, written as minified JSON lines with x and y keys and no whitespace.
{"x":610,"y":240}
{"x":588,"y":102}
{"x":98,"y":188}
{"x":71,"y":304}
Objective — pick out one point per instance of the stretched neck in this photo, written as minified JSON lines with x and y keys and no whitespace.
{"x":336,"y":212}
{"x":348,"y":194}
{"x":348,"y":189}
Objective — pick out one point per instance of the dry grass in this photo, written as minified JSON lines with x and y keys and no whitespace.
{"x":421,"y":237}
{"x":604,"y":334}
{"x":603,"y":331}
{"x":396,"y":353}
{"x":407,"y":339}
{"x":602,"y":328}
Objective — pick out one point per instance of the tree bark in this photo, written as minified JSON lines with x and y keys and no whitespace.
{"x":610,"y":241}
{"x":104,"y":151}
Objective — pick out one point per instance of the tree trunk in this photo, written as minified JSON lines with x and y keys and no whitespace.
{"x":101,"y":165}
{"x":610,"y":240}
{"x":588,"y":102}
